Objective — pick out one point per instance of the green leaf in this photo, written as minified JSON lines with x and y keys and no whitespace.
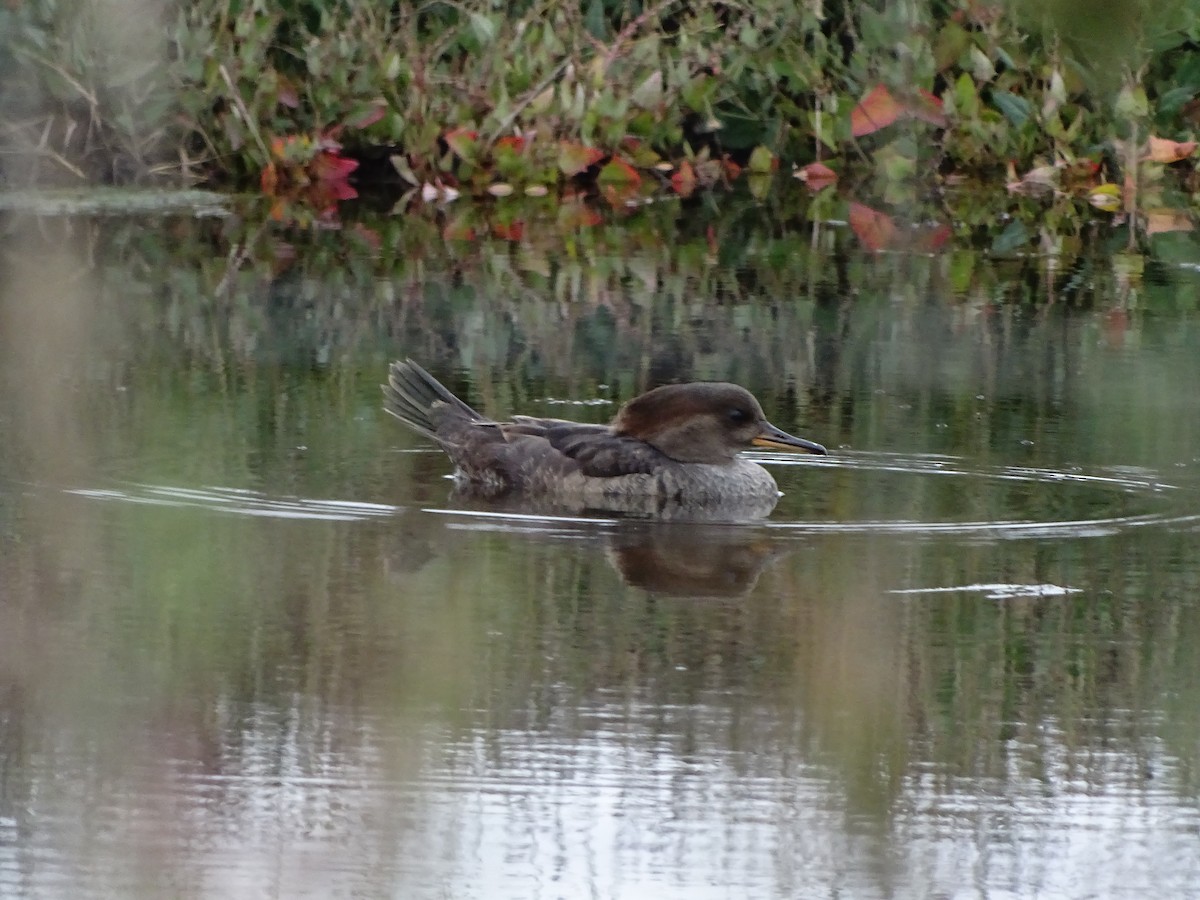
{"x":649,"y":94}
{"x":1172,"y":100}
{"x":966,"y":99}
{"x":391,"y":70}
{"x":698,"y":91}
{"x":595,"y":20}
{"x":1015,"y":236}
{"x":484,"y":28}
{"x":1132,"y":103}
{"x":1016,"y":109}
{"x":762,"y":161}
{"x":950,"y":43}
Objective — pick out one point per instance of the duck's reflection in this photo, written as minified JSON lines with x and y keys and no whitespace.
{"x":717,"y":561}
{"x":671,"y":549}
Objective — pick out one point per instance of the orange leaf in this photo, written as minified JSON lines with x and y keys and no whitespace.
{"x":935,"y":239}
{"x":880,"y":109}
{"x":732,"y":169}
{"x":515,"y":142}
{"x":459,"y":229}
{"x":928,"y":108}
{"x":621,"y":197}
{"x":873,"y":228}
{"x":1159,"y":221}
{"x":1161,"y":150}
{"x":575,"y":213}
{"x":875,"y":111}
{"x":684,"y":180}
{"x":368,"y":114}
{"x":269,"y":179}
{"x":817,"y":175}
{"x":462,"y":141}
{"x":575,"y":158}
{"x":619,"y":173}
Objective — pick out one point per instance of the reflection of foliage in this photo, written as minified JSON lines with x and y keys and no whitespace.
{"x":263,"y":372}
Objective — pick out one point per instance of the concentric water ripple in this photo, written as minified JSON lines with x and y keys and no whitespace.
{"x":1120,"y":480}
{"x":241,"y":502}
{"x":1132,"y":479}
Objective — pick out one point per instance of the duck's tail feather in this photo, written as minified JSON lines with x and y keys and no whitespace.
{"x":411,"y":395}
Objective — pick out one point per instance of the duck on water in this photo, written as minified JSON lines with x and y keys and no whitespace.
{"x":677,"y":443}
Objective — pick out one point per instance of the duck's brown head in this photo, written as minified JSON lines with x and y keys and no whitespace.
{"x":703,"y":422}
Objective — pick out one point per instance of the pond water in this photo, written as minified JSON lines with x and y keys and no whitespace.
{"x":252,"y":645}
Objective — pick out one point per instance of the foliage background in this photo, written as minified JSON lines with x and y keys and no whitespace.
{"x":127,"y":90}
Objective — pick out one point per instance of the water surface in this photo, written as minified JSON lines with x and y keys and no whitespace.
{"x":251,"y":644}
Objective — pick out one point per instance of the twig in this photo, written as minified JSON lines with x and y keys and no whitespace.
{"x":61,"y":72}
{"x":626,"y":32}
{"x":245,"y":113}
{"x":530,"y":95}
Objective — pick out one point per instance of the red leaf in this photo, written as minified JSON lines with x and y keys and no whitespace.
{"x":684,"y":179}
{"x":512,"y":141}
{"x":511,"y":231}
{"x":873,"y":228}
{"x":936,"y":238}
{"x":575,"y":158}
{"x":340,"y":190}
{"x":875,"y":111}
{"x":817,"y":176}
{"x":880,"y":109}
{"x":331,"y":168}
{"x":732,"y":169}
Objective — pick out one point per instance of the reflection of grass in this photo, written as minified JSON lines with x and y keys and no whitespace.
{"x":275,"y":389}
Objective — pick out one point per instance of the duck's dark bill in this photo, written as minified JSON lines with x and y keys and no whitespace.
{"x":774,"y":439}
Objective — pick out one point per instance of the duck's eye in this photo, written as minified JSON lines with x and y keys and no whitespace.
{"x":738,"y":416}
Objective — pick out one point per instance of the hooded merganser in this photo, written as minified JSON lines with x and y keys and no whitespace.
{"x":677,"y":442}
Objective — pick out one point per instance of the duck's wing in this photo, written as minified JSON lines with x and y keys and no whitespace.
{"x":594,"y":448}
